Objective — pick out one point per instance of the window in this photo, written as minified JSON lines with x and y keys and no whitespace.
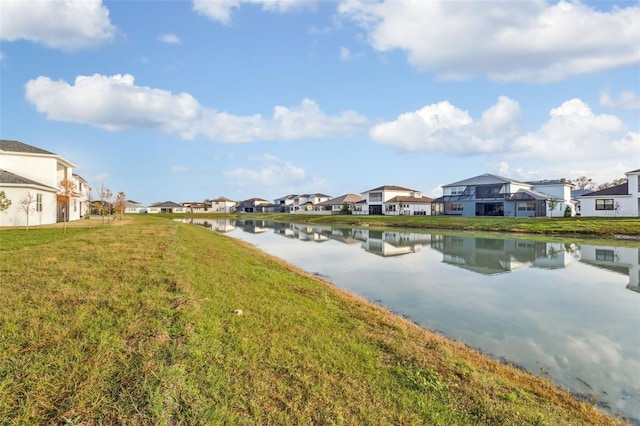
{"x":457,"y":190}
{"x":526,"y":206}
{"x":375,"y":196}
{"x":457,"y":207}
{"x":604,"y":204}
{"x":605,"y":255}
{"x":38,"y":202}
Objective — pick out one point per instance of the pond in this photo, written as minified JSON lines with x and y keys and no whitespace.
{"x":567,"y":311}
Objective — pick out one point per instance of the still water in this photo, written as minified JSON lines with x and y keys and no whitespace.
{"x":570,"y":312}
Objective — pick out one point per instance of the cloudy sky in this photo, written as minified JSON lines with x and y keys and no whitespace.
{"x":187,"y":100}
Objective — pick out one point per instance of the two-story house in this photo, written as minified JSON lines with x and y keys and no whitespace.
{"x":491,"y":195}
{"x":220,"y":205}
{"x":619,"y":200}
{"x":31,"y":179}
{"x":393,"y":200}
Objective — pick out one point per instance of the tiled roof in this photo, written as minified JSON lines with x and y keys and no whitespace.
{"x":165,"y":204}
{"x":15,"y":146}
{"x":407,"y":199}
{"x":12,"y":178}
{"x":622,"y":189}
{"x":347,"y":198}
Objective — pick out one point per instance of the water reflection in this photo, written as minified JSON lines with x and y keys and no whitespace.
{"x":567,"y":311}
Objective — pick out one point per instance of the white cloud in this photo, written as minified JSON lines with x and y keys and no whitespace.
{"x":506,"y":41}
{"x":625,"y":100}
{"x":575,"y":133}
{"x":442,"y":127}
{"x":62,"y":24}
{"x":272,"y":172}
{"x":115,"y":103}
{"x":169,"y":39}
{"x":221,"y":10}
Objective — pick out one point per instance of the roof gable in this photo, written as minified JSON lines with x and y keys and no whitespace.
{"x":485,"y":179}
{"x":17,"y":146}
{"x":622,"y":189}
{"x":391,"y":188}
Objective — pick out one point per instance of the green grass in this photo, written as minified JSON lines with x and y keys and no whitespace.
{"x":134,"y":324}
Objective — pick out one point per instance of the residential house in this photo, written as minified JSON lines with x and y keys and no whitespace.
{"x":620,"y":200}
{"x":408,"y":205}
{"x":377,"y":200}
{"x":167,"y":207}
{"x":252,"y":205}
{"x":220,"y":205}
{"x":195,"y":207}
{"x":491,"y":195}
{"x":33,"y":175}
{"x":131,"y":206}
{"x":337,"y":205}
{"x":306,"y":203}
{"x":283,"y":204}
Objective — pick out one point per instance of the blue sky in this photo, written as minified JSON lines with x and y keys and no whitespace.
{"x":187,"y":100}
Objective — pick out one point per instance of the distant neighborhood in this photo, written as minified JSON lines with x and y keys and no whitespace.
{"x":33,"y":182}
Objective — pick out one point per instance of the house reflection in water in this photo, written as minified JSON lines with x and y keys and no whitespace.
{"x":394,"y":243}
{"x":494,"y":256}
{"x":623,"y":260}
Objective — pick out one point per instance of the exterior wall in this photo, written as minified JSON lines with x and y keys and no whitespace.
{"x":628,"y":206}
{"x":561,"y":191}
{"x":15,"y":215}
{"x":408,"y":209}
{"x":41,"y":169}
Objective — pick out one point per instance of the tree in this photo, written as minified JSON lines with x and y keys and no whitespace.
{"x":105,"y":198}
{"x":345,"y":208}
{"x":615,"y":182}
{"x":87,"y":194}
{"x":552,"y":203}
{"x":121,"y":203}
{"x":4,"y":202}
{"x":66,"y":190}
{"x":584,"y":182}
{"x":25,"y":204}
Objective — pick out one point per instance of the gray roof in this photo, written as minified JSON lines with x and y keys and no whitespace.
{"x":12,"y":178}
{"x":165,"y":204}
{"x":16,"y":146}
{"x":485,"y":179}
{"x":622,"y":189}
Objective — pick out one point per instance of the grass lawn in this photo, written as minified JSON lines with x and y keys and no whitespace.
{"x":135,"y":324}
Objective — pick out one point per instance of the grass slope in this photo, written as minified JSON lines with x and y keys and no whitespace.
{"x":134,"y":324}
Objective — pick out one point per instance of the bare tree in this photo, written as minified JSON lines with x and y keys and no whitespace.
{"x":87,"y":194}
{"x":121,"y":203}
{"x":615,"y":182}
{"x":4,"y":202}
{"x":584,"y":182}
{"x":26,"y":205}
{"x":105,"y":199}
{"x":66,"y":190}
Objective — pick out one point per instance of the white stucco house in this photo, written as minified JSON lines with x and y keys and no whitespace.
{"x":131,"y":206}
{"x":393,"y":200}
{"x":336,"y":205}
{"x":220,"y":205}
{"x":30,"y":178}
{"x":620,"y":200}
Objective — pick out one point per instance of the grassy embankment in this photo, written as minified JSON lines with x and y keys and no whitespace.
{"x":134,"y":324}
